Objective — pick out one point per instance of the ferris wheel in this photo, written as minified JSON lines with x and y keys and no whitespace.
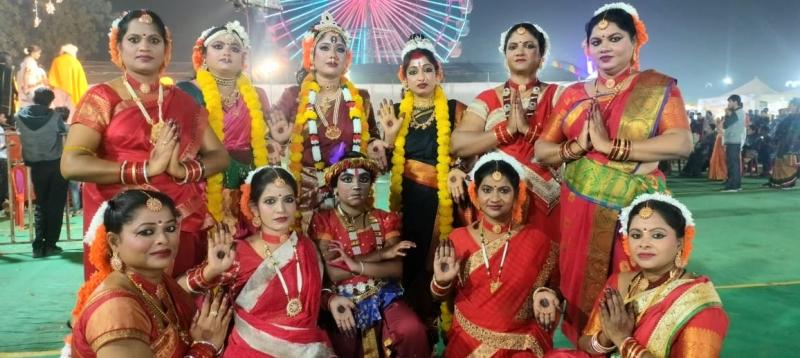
{"x":379,"y":28}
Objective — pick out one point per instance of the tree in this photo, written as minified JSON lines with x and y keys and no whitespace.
{"x":83,"y":23}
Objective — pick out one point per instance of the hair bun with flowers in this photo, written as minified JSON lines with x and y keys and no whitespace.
{"x":95,"y":225}
{"x":520,"y":202}
{"x":99,"y":256}
{"x":246,"y":188}
{"x":113,"y":45}
{"x":641,"y":30}
{"x":689,"y":231}
{"x":546,"y":37}
{"x":208,"y":35}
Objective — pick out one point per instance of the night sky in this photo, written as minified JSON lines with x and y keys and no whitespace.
{"x":697,"y":41}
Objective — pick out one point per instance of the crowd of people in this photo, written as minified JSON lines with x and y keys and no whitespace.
{"x":760,"y":145}
{"x":36,"y":105}
{"x":220,"y":223}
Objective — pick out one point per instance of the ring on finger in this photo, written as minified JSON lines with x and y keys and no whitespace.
{"x":213,"y":313}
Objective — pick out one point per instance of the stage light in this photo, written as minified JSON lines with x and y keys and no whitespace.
{"x":727,"y":80}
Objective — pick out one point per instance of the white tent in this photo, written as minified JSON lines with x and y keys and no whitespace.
{"x":755,"y":95}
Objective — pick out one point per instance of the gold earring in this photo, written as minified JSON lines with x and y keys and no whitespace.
{"x":678,"y":260}
{"x":116,"y":263}
{"x":257,"y":221}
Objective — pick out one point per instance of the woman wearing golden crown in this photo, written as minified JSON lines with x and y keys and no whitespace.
{"x":330,"y":115}
{"x":236,"y":113}
{"x":133,"y":132}
{"x":611,"y":132}
{"x":423,"y":173}
{"x":509,"y":118}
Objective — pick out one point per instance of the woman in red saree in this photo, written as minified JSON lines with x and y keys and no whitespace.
{"x":363,"y":255}
{"x":611,"y":132}
{"x":659,"y":310}
{"x":330,"y":115}
{"x":503,"y":272}
{"x":131,"y":307}
{"x":133,"y":132}
{"x":278,"y":290}
{"x":510,"y":118}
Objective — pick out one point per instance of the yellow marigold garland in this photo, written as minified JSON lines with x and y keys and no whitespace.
{"x":306,"y":113}
{"x":213,"y":99}
{"x":442,"y":115}
{"x":399,"y":154}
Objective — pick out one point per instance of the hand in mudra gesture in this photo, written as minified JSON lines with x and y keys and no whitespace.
{"x":221,"y":254}
{"x":445,"y":264}
{"x":389,"y":121}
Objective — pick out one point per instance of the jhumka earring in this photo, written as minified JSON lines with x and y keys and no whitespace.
{"x":116,"y":263}
{"x":679,"y":260}
{"x":257,"y":221}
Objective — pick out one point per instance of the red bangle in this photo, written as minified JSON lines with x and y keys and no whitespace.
{"x":502,"y":134}
{"x":201,"y":350}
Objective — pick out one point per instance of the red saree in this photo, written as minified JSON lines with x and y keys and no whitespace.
{"x":116,"y":314}
{"x":261,"y":326}
{"x":594,"y":188}
{"x":543,"y":187}
{"x":501,"y":324}
{"x":125,"y":135}
{"x":685,"y":320}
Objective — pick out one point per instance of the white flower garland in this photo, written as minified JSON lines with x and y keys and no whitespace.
{"x":624,"y":216}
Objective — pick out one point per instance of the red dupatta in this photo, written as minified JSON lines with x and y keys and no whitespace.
{"x":260,"y":322}
{"x":502,"y":322}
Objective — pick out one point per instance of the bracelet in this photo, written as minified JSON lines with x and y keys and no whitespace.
{"x":531,"y":135}
{"x":440,"y":291}
{"x":78,"y":148}
{"x":185,"y":178}
{"x":144,"y":171}
{"x":626,"y":346}
{"x":214,"y":350}
{"x":599,"y":348}
{"x":362,"y":268}
{"x":450,"y":284}
{"x":122,"y":172}
{"x":620,"y":150}
{"x":566,"y":153}
{"x":502,"y":134}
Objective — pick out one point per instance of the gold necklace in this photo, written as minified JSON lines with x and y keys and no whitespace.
{"x":496,"y":283}
{"x":332,"y":130}
{"x":154,"y":305}
{"x":155,"y":127}
{"x":293,"y":305}
{"x":415,"y":124}
{"x":641,"y":286}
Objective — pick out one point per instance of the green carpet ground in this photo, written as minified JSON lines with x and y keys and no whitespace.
{"x":746,"y":242}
